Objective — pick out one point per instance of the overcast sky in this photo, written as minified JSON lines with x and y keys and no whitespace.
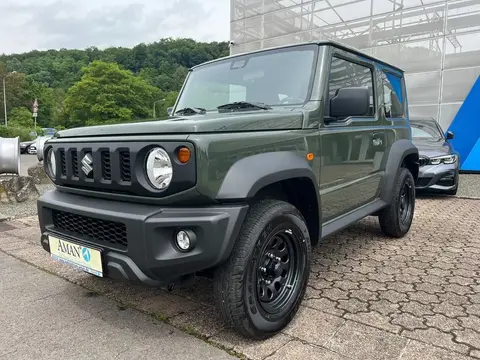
{"x":53,"y":24}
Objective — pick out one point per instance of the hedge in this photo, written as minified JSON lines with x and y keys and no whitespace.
{"x":14,"y":131}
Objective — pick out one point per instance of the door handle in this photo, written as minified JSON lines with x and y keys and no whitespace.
{"x":377,"y":139}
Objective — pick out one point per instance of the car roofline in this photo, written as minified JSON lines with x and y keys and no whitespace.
{"x":333,"y":43}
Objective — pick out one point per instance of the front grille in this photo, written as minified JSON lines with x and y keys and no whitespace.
{"x":91,"y":229}
{"x":423,"y":160}
{"x":116,"y":167}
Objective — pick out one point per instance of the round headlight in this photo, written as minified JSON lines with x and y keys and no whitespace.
{"x":159,"y":168}
{"x":52,"y":165}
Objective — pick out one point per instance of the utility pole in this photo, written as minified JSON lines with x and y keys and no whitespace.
{"x":154,"y":106}
{"x":5,"y":96}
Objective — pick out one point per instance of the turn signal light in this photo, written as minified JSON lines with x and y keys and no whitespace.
{"x":183,"y":154}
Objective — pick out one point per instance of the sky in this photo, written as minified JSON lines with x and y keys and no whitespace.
{"x":27,"y":25}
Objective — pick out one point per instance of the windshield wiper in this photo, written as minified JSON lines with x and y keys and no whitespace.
{"x":244,"y":105}
{"x":191,"y":111}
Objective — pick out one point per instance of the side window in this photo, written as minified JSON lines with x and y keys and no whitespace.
{"x":392,"y":95}
{"x":346,"y":74}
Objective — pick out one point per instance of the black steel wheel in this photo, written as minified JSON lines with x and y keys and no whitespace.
{"x":396,"y":219}
{"x":406,"y":203}
{"x":261,"y":286}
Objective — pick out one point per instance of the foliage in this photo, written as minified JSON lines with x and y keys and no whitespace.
{"x":21,"y":117}
{"x":106,"y":92}
{"x":14,"y":131}
{"x":49,"y":75}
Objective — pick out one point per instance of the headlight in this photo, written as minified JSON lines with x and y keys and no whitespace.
{"x":448,"y":159}
{"x":159,"y":168}
{"x":51,"y":163}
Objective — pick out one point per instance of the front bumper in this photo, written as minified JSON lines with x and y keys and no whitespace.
{"x":137,"y":240}
{"x":441,"y":177}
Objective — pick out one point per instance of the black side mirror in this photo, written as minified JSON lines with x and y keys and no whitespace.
{"x":169,"y":110}
{"x":449,"y":135}
{"x":353,"y":101}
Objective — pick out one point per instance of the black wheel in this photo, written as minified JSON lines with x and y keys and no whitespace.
{"x":396,"y":219}
{"x":263,"y":282}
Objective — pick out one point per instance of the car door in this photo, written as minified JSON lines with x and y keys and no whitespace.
{"x":352,"y":145}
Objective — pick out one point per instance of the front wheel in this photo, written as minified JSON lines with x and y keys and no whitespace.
{"x":396,"y":218}
{"x":262,"y":284}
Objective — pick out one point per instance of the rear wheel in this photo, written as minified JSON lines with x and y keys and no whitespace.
{"x":261,"y":286}
{"x":396,"y":219}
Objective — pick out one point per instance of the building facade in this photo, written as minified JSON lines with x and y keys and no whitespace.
{"x":436,"y":42}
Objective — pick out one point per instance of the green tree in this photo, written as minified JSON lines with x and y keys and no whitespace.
{"x":108,"y":93}
{"x":21,"y":117}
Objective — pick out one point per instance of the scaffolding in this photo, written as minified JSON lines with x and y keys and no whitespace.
{"x":437,"y":42}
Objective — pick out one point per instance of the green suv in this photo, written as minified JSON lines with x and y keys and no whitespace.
{"x":264,"y":155}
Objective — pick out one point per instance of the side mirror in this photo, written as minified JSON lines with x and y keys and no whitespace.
{"x":353,"y":101}
{"x":449,"y":135}
{"x":169,"y":110}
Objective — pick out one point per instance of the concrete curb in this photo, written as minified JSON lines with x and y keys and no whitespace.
{"x":468,"y":197}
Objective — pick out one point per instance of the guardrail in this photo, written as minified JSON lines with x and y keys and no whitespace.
{"x":10,"y":155}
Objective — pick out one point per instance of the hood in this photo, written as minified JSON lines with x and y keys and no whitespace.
{"x":431,"y":148}
{"x":277,"y":119}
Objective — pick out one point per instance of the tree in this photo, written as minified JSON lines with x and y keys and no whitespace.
{"x":108,"y":93}
{"x":21,"y":117}
{"x":47,"y":76}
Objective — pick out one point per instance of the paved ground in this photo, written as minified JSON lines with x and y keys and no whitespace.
{"x":46,"y":317}
{"x":368,"y":297}
{"x":27,"y":161}
{"x":469,"y":185}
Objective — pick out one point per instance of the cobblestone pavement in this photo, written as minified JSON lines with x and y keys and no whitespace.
{"x":369,"y":297}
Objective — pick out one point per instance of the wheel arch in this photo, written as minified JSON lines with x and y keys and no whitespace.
{"x":278,"y":175}
{"x":403,"y":153}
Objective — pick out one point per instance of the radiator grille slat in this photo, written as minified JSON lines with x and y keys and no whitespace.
{"x":125,"y":166}
{"x":106,"y":166}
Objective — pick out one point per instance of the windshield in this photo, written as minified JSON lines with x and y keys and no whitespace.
{"x":426,"y":130}
{"x":275,"y":77}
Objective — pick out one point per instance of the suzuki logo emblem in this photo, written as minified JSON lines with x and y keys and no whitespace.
{"x":87,"y":162}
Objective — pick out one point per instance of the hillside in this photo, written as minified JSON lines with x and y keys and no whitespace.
{"x":49,"y":75}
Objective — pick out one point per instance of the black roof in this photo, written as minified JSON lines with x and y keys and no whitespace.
{"x":317,"y":42}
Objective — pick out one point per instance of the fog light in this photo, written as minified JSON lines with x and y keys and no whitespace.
{"x":185,"y":240}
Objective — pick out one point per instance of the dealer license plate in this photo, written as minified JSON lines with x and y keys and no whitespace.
{"x":78,"y":256}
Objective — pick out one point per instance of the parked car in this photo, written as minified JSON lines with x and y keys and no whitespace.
{"x":439,"y":162}
{"x":25,"y":146}
{"x":264,"y":154}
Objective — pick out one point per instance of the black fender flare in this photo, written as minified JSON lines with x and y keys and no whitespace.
{"x":250,"y":174}
{"x":398,"y":152}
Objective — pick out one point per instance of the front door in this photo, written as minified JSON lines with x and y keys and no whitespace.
{"x":352,"y":146}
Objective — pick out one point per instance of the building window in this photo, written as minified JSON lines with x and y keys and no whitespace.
{"x":344,"y":74}
{"x":392,"y":95}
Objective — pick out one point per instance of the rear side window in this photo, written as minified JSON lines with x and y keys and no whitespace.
{"x":392,"y":95}
{"x":344,"y":74}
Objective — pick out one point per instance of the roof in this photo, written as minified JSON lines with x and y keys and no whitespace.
{"x":334,"y":43}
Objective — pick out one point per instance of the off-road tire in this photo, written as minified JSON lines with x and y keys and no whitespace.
{"x":235,"y":283}
{"x":390,"y":218}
